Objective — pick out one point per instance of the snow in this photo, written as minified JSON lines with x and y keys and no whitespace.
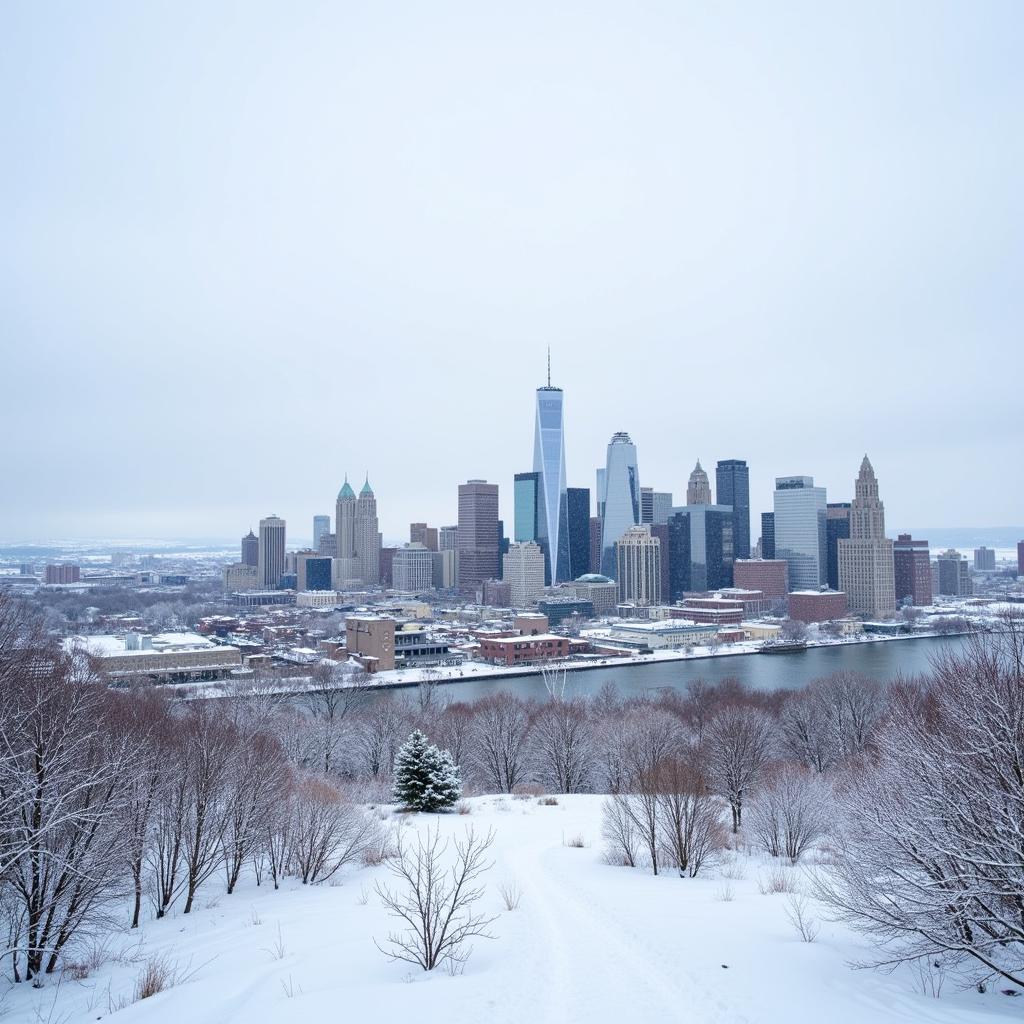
{"x":589,"y":942}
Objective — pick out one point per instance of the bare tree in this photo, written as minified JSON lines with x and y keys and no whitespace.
{"x":437,"y":904}
{"x":381,"y":729}
{"x":853,"y":705}
{"x":561,"y":746}
{"x":331,"y":701}
{"x":500,"y":741}
{"x":326,"y":831}
{"x":618,"y":830}
{"x":806,"y":732}
{"x":739,"y":744}
{"x":689,"y":815}
{"x":790,"y":812}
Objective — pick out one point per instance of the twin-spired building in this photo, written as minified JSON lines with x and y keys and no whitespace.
{"x":866,"y":557}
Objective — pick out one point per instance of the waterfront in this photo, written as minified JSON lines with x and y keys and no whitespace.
{"x":883,"y":660}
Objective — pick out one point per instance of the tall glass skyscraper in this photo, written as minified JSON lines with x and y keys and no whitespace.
{"x":621,"y":498}
{"x":800,"y":531}
{"x":732,"y":484}
{"x":549,"y":464}
{"x":526,"y":491}
{"x":579,"y":531}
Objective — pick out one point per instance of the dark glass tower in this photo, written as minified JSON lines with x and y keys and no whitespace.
{"x":732,"y":480}
{"x":837,"y":528}
{"x":767,"y":534}
{"x":579,"y":531}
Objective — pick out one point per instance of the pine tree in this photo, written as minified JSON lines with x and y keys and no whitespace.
{"x":426,"y":779}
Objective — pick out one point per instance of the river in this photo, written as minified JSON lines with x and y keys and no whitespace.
{"x":880,"y":660}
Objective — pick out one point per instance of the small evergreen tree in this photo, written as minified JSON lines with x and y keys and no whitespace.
{"x":426,"y":779}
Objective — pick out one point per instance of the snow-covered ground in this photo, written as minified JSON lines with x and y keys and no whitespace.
{"x":589,"y":943}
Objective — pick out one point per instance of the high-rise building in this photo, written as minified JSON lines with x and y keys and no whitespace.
{"x":620,"y":498}
{"x":638,"y":566}
{"x":699,"y":549}
{"x":366,"y":530}
{"x":345,"y":564}
{"x":420,"y":533}
{"x":984,"y":559}
{"x":549,"y":465}
{"x":698,"y":490}
{"x":655,"y":506}
{"x":866,"y":557}
{"x":526,"y":498}
{"x":599,"y":492}
{"x":732,"y":483}
{"x":800,"y":535}
{"x":912,"y":571}
{"x":445,"y":576}
{"x":312,"y":571}
{"x":270,"y":566}
{"x":328,"y":546}
{"x":595,"y":544}
{"x":412,"y":568}
{"x":387,"y":559}
{"x":523,"y":571}
{"x":837,"y":528}
{"x":578,"y":503}
{"x":661,"y":531}
{"x":321,"y":526}
{"x":63,"y":574}
{"x":448,"y":538}
{"x":250,"y":549}
{"x":768,"y":535}
{"x":1020,"y":558}
{"x":954,"y":575}
{"x":479,"y":550}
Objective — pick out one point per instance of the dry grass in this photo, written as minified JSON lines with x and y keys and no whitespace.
{"x":577,"y":842}
{"x":777,"y":880}
{"x":511,"y":895}
{"x":463,"y":807}
{"x":724,"y":893}
{"x":548,"y":801}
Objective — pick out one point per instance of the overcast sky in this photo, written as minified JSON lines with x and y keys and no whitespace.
{"x":245,"y":249}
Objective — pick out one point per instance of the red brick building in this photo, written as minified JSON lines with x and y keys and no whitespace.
{"x":769,"y":575}
{"x":524,"y":650}
{"x":817,"y":605}
{"x":912,"y":570}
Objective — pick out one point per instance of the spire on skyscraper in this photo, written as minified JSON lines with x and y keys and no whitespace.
{"x":346,"y":490}
{"x":698,"y":491}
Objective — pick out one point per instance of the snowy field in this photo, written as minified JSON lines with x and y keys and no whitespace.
{"x":589,"y":942}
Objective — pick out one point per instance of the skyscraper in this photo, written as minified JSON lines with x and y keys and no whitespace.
{"x":526,"y":507}
{"x":768,"y":535}
{"x":478,"y":534}
{"x":549,"y":465}
{"x":412,"y":568}
{"x":345,"y":564}
{"x":837,"y":528}
{"x":866,"y":557}
{"x":954,"y":574}
{"x":620,"y":499}
{"x":270,"y":564}
{"x":800,"y":534}
{"x":698,"y":490}
{"x":578,"y":499}
{"x":420,"y":533}
{"x":699,"y":548}
{"x":638,"y":566}
{"x":321,"y":525}
{"x":448,"y":538}
{"x":250,"y":549}
{"x":1020,"y":558}
{"x":367,"y":536}
{"x":732,"y":482}
{"x":523,"y":570}
{"x":984,"y":559}
{"x":655,"y":506}
{"x":912,"y":570}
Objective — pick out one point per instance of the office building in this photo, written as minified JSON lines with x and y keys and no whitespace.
{"x":496,"y":594}
{"x":599,"y":591}
{"x":312,"y":571}
{"x":638,"y":566}
{"x":578,"y":501}
{"x":370,"y":639}
{"x":526,"y":498}
{"x":866,"y":557}
{"x":239,"y":577}
{"x":59,"y":574}
{"x":954,"y":575}
{"x":328,"y":546}
{"x":366,"y":531}
{"x":698,"y":490}
{"x":595,"y":544}
{"x":912,"y":571}
{"x":661,"y":531}
{"x":984,"y":559}
{"x":1020,"y":558}
{"x":699,"y":549}
{"x":250,"y":549}
{"x":387,"y":559}
{"x":732,"y":484}
{"x":817,"y":605}
{"x":478,"y":546}
{"x":655,"y":506}
{"x":321,"y":526}
{"x":346,"y":568}
{"x":549,"y":465}
{"x":448,"y":538}
{"x":768,"y":535}
{"x":837,"y":528}
{"x":619,"y":499}
{"x":444,"y":570}
{"x":420,"y":533}
{"x":270,"y":564}
{"x":800,"y":532}
{"x":412,"y":569}
{"x":523,"y":570}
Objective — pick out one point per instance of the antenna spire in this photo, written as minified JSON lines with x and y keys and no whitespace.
{"x":549,"y":366}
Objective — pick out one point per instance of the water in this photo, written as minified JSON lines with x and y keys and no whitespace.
{"x":882,"y":660}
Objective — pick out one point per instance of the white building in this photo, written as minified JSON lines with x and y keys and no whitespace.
{"x":523,"y":570}
{"x":412,"y":569}
{"x":638,"y":565}
{"x":800,"y":531}
{"x":866,"y":572}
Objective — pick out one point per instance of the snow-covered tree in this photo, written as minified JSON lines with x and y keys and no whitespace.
{"x":426,"y":779}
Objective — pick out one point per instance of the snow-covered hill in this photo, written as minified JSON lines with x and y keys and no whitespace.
{"x":589,"y":942}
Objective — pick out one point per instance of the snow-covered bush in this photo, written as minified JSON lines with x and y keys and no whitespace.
{"x":790,"y":812}
{"x":425,"y":778}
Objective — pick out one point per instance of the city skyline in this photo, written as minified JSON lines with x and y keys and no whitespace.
{"x":783,"y":240}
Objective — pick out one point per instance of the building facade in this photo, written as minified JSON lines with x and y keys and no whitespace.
{"x":638,"y":566}
{"x":478,"y":534}
{"x":800,"y":533}
{"x":866,"y":573}
{"x":837,"y":528}
{"x":954,"y":575}
{"x":912,"y":571}
{"x":420,"y":533}
{"x":523,"y":570}
{"x":769,"y":575}
{"x":984,"y":559}
{"x":366,"y":529}
{"x":817,"y":605}
{"x":321,"y":526}
{"x":64,"y":573}
{"x":578,"y":499}
{"x":549,"y":466}
{"x":412,"y":568}
{"x":732,"y":483}
{"x":700,"y":549}
{"x":698,"y":490}
{"x":250,"y":549}
{"x":312,"y":572}
{"x":618,"y":497}
{"x":271,"y":551}
{"x":768,"y":535}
